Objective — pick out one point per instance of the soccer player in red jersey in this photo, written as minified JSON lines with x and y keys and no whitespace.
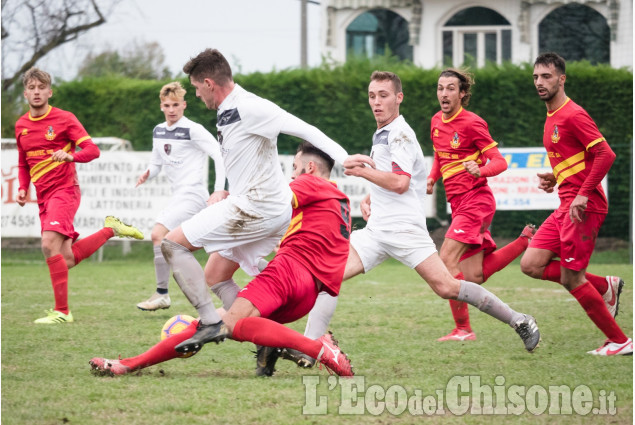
{"x":311,"y":258}
{"x":46,"y":138}
{"x":465,"y":155}
{"x":580,"y":158}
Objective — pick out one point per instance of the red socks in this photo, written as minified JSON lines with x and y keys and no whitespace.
{"x":499,"y":259}
{"x":255,"y":329}
{"x":85,"y":247}
{"x":460,"y":312}
{"x":266,"y":332}
{"x":59,"y":279}
{"x":492,"y":263}
{"x":552,"y":273}
{"x":593,"y":303}
{"x":58,"y":269}
{"x":161,"y":352}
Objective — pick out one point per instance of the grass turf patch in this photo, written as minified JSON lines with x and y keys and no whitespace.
{"x":387,"y":321}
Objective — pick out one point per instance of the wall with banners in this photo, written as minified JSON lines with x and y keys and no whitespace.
{"x":517,"y":188}
{"x":108,"y":188}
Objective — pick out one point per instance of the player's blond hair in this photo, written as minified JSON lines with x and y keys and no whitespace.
{"x":466,"y":81}
{"x":34,"y":73}
{"x":172,"y":90}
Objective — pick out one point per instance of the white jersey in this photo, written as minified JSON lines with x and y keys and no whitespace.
{"x":396,"y":149}
{"x":248,"y":128}
{"x":181,"y":150}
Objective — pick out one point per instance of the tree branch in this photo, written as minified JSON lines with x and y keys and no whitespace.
{"x":60,"y":35}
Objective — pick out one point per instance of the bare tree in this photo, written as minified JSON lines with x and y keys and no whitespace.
{"x":42,"y":26}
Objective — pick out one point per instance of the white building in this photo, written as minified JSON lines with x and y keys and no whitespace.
{"x":436,"y":33}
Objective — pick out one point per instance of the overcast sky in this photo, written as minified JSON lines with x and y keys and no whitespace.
{"x":254,"y":35}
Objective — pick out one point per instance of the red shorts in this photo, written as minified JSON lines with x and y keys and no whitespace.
{"x":472,"y":214}
{"x":572,"y":242}
{"x":57,"y":211}
{"x":284,"y":291}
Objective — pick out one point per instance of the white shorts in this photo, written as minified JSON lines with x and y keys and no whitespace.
{"x":181,"y":207}
{"x":237,"y":231}
{"x":411,"y":247}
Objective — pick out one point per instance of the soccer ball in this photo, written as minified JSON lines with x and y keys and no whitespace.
{"x":175,"y":325}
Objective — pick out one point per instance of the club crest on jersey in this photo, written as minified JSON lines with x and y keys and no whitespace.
{"x":436,"y":133}
{"x":167,"y":148}
{"x":555,"y":136}
{"x":50,"y":133}
{"x":455,"y":143}
{"x":25,"y":131}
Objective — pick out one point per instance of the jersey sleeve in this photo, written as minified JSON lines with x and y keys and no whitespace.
{"x":435,"y":172}
{"x":481,"y":136}
{"x":208,"y":144}
{"x":89,"y":151}
{"x":156,"y":162}
{"x":496,"y":165}
{"x":24,"y":177}
{"x":585,"y":129}
{"x":401,"y":152}
{"x":262,"y":117}
{"x":603,"y":158}
{"x":76,"y":131}
{"x":294,"y":126}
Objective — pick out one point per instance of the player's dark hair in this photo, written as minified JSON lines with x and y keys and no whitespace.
{"x":324,"y":160}
{"x":34,"y":73}
{"x":466,"y":81}
{"x":551,"y":58}
{"x":210,"y":63}
{"x":387,"y":76}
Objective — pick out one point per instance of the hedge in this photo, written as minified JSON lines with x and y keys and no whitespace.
{"x":334,"y":98}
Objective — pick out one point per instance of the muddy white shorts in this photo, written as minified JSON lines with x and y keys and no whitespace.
{"x":236,"y":230}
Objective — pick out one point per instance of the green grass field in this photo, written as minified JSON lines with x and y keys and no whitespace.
{"x":387,"y":321}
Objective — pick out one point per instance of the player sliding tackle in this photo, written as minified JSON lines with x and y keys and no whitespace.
{"x":311,"y":258}
{"x":246,"y":226}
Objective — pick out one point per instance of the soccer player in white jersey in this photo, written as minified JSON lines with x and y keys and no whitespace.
{"x":180,"y":148}
{"x":247,"y":225}
{"x":397,"y":226}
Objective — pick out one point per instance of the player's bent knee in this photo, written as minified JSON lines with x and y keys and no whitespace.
{"x":169,"y":248}
{"x":447,"y":289}
{"x":530,"y":269}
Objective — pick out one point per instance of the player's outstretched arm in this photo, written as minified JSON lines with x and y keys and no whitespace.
{"x":394,"y":182}
{"x":294,"y":126}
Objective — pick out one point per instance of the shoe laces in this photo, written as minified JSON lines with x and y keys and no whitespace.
{"x":523,"y":330}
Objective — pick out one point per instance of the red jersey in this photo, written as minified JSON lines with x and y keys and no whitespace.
{"x":461,"y":138}
{"x":319,"y":232}
{"x":37,"y":138}
{"x":569,"y":134}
